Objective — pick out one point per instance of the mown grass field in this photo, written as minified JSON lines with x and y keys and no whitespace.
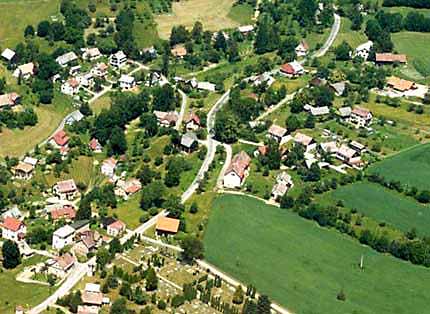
{"x":213,"y":15}
{"x":354,"y":38}
{"x":17,"y":14}
{"x":303,"y":267}
{"x":13,"y":293}
{"x":410,"y":167}
{"x":416,"y":47}
{"x":385,"y":205}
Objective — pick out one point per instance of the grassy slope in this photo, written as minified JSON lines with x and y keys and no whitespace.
{"x":18,"y":293}
{"x":410,"y":167}
{"x":385,"y":205}
{"x":354,"y":38}
{"x":213,"y":15}
{"x":16,"y":142}
{"x":17,"y":14}
{"x":415,"y":46}
{"x":303,"y":266}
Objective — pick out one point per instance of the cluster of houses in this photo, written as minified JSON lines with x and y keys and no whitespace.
{"x":195,"y":84}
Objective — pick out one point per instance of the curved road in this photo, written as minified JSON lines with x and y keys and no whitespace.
{"x":81,"y":268}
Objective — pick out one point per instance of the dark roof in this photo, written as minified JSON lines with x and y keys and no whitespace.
{"x":79,"y":224}
{"x":106,"y":221}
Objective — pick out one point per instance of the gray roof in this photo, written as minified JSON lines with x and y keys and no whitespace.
{"x":188,"y":139}
{"x":345,"y":111}
{"x":338,"y":87}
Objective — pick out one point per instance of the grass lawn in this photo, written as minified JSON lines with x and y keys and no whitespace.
{"x":17,"y":14}
{"x":242,"y":13}
{"x":16,"y":142}
{"x":13,"y":293}
{"x":213,"y":15}
{"x":101,"y":103}
{"x":129,"y":211}
{"x":416,"y":47}
{"x":411,"y":167}
{"x":385,"y":205}
{"x":81,"y":170}
{"x":354,"y":38}
{"x":303,"y":267}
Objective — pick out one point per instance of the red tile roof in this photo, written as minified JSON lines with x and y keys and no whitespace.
{"x":166,"y":224}
{"x":193,"y":117}
{"x":287,"y":68}
{"x":239,"y":164}
{"x":360,"y":111}
{"x":390,"y":57}
{"x":94,"y":143}
{"x":66,"y":186}
{"x":61,"y":138}
{"x":118,"y":225}
{"x":12,"y":224}
{"x":67,"y":212}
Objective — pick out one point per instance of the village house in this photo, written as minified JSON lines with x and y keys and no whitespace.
{"x":399,"y":84}
{"x":264,"y":78}
{"x":329,"y":147}
{"x":91,"y":54}
{"x":360,"y":117}
{"x":95,"y":145}
{"x":277,"y":133}
{"x":237,"y":171}
{"x":345,"y":153}
{"x":166,"y":119}
{"x":246,"y":29}
{"x":60,"y":139}
{"x":283,"y":184}
{"x":344,"y":112}
{"x":13,"y":229}
{"x":116,"y":228}
{"x":30,"y":160}
{"x":23,"y":171}
{"x":8,"y":54}
{"x":192,"y":122}
{"x":108,"y":167}
{"x":207,"y":86}
{"x":74,"y":70}
{"x":388,"y":58}
{"x":317,"y":111}
{"x":86,"y":309}
{"x":70,"y":87}
{"x":19,"y":309}
{"x":189,"y":142}
{"x":363,"y":50}
{"x":66,"y":190}
{"x":66,"y":58}
{"x":306,"y":141}
{"x":167,"y":226}
{"x":86,"y":80}
{"x":118,"y":59}
{"x":127,"y":82}
{"x":9,"y":100}
{"x":13,"y":212}
{"x":338,"y":88}
{"x":179,"y":51}
{"x":100,"y":70}
{"x":358,"y":147}
{"x":292,"y":69}
{"x":66,"y":212}
{"x":87,"y":241}
{"x":151,"y":52}
{"x":25,"y":71}
{"x":60,"y":266}
{"x":126,"y":188}
{"x":75,"y":116}
{"x":92,"y":295}
{"x":63,"y":237}
{"x":302,"y":49}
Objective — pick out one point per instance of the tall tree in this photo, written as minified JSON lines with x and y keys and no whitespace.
{"x":11,"y":254}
